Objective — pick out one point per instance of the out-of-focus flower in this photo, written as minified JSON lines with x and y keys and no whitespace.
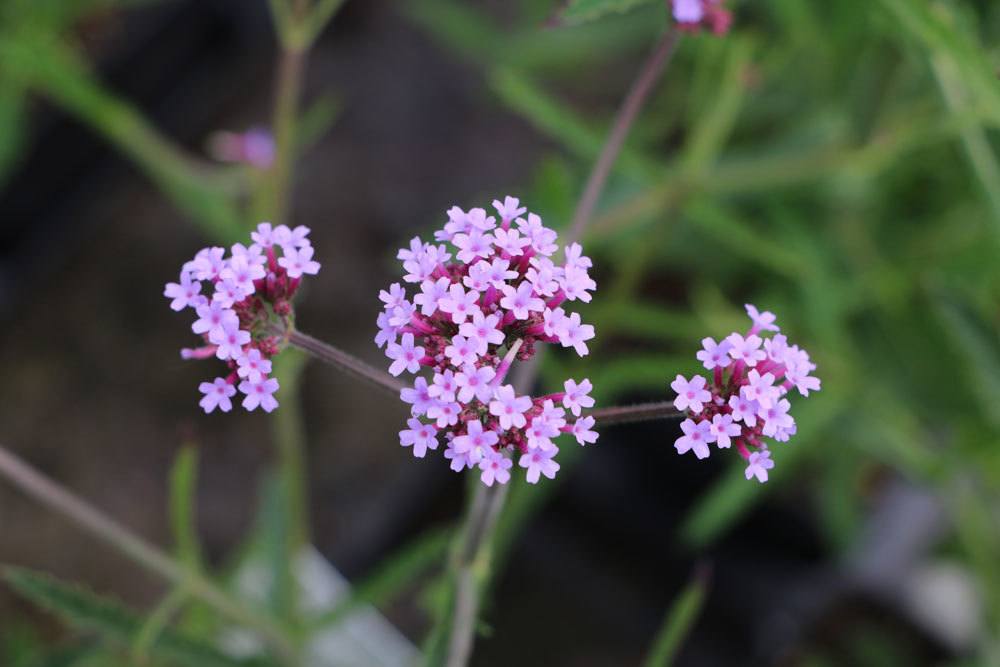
{"x":693,"y":15}
{"x":255,"y":147}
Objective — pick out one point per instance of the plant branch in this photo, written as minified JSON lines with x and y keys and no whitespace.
{"x":291,"y":70}
{"x":51,"y":494}
{"x":470,"y":561}
{"x":626,"y":414}
{"x":346,"y":362}
{"x":624,"y":119}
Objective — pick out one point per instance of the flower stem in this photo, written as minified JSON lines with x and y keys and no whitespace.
{"x":49,"y":493}
{"x":470,"y":562}
{"x":346,"y":362}
{"x":624,"y":119}
{"x":291,"y":69}
{"x":635,"y":413}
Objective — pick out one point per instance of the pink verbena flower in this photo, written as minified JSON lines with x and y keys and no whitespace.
{"x":693,"y":15}
{"x":244,"y":321}
{"x":745,"y":400}
{"x":487,"y":293}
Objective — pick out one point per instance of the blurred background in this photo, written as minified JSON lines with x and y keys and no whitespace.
{"x":832,"y":162}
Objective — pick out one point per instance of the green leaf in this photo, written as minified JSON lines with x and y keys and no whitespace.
{"x":978,"y":346}
{"x":287,"y":524}
{"x":679,"y":620}
{"x":13,"y":126}
{"x":937,"y":28}
{"x":183,"y":487}
{"x":85,"y":610}
{"x":317,"y":120}
{"x":583,"y":11}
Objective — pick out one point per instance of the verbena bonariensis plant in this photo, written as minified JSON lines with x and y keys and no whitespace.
{"x":744,"y":403}
{"x":247,"y":315}
{"x":471,"y":316}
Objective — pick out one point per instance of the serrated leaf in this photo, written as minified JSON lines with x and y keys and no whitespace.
{"x":583,"y":11}
{"x":114,"y":622}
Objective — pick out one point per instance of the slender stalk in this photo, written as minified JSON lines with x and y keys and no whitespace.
{"x":346,"y":362}
{"x":624,"y":119}
{"x":153,"y":559}
{"x":471,"y":563}
{"x":291,"y":69}
{"x":635,"y":413}
{"x":487,"y":502}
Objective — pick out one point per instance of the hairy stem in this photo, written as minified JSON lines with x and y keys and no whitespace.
{"x":346,"y":362}
{"x":624,"y":119}
{"x":49,"y":493}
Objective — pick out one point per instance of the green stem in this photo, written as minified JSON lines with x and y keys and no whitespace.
{"x":290,"y":73}
{"x":148,"y":556}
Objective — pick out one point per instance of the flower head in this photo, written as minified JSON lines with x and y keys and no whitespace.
{"x":243,"y":322}
{"x":490,"y":291}
{"x":745,"y":402}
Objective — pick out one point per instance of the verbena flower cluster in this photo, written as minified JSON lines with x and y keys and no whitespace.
{"x":246,"y":312}
{"x":744,"y":402}
{"x":486,"y":294}
{"x":693,"y":15}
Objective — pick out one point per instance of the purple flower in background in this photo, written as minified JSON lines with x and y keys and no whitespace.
{"x":693,"y":15}
{"x":255,"y":147}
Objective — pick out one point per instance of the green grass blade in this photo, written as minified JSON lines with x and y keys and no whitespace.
{"x":679,"y":621}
